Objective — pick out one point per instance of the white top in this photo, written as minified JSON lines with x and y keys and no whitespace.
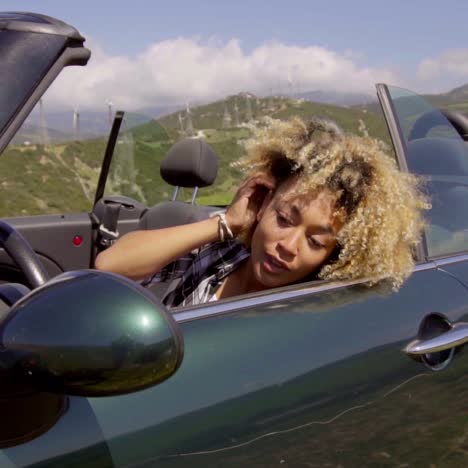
{"x":213,"y":298}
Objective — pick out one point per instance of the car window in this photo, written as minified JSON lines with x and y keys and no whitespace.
{"x":437,"y":152}
{"x":134,"y":172}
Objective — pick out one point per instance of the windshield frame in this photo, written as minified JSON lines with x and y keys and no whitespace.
{"x":393,"y":124}
{"x":399,"y":143}
{"x":108,"y":155}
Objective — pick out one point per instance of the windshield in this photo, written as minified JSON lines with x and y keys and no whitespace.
{"x":26,"y":57}
{"x":418,"y":118}
{"x":436,"y":151}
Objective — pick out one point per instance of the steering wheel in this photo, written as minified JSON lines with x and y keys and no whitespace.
{"x":18,"y":248}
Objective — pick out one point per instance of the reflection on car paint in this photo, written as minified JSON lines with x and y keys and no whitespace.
{"x":302,"y":426}
{"x":260,"y":371}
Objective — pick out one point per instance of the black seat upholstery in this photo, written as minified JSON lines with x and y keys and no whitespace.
{"x":438,"y":156}
{"x":172,"y":213}
{"x":189,"y":163}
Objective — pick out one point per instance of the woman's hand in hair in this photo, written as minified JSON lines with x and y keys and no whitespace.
{"x":242,"y":211}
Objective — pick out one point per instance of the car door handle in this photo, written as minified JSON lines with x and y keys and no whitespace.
{"x":456,"y":336}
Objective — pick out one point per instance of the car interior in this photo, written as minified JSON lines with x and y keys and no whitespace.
{"x":190,"y":163}
{"x":445,"y":180}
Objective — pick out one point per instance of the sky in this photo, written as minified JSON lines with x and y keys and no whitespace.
{"x":170,"y":52}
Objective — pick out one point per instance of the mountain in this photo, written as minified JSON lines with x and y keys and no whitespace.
{"x":456,"y":99}
{"x":158,"y":111}
{"x":233,"y":113}
{"x":59,"y":126}
{"x":33,"y":134}
{"x":336,"y":98}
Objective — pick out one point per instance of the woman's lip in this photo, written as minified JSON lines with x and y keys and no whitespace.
{"x":273,"y":265}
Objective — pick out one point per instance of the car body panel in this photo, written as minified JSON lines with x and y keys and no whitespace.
{"x":289,"y":382}
{"x":293,"y":380}
{"x":52,"y":237}
{"x":76,"y":432}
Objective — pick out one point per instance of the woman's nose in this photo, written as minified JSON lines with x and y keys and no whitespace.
{"x":290,"y":242}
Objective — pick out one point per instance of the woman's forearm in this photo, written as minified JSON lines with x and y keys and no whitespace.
{"x":142,"y":253}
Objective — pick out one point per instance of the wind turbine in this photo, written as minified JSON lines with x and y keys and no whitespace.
{"x":42,"y":124}
{"x":109,"y":110}
{"x":290,"y":84}
{"x":76,"y":124}
{"x":270,"y":101}
{"x":236,"y":113}
{"x":226,"y":117}
{"x":181,"y":124}
{"x":189,"y":123}
{"x":248,"y":111}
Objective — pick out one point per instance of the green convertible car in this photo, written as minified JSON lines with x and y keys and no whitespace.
{"x":95,"y":372}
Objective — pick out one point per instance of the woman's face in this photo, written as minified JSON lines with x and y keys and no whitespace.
{"x":293,"y":237}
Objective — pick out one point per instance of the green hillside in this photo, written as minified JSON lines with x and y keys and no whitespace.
{"x":227,"y":142}
{"x":62,"y":177}
{"x":455,"y":100}
{"x":210,"y":116}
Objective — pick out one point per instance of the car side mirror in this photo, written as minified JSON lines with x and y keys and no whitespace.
{"x":88,"y":333}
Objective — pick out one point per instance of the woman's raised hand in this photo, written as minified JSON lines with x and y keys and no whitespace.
{"x":242,"y":211}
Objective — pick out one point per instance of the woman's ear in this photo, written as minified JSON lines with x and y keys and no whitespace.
{"x":265,"y":203}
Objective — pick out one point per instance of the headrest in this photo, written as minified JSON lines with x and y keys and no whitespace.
{"x":459,"y":121}
{"x":438,"y":156}
{"x":190,"y":163}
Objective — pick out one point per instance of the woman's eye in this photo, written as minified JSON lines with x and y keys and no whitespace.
{"x":315,"y":244}
{"x":282,"y":220}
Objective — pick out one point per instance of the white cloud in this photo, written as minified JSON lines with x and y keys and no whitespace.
{"x":190,"y":69}
{"x":451,"y":64}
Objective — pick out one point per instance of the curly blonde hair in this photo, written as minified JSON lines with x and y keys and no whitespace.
{"x":380,"y":206}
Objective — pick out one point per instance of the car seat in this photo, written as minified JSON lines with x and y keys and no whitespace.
{"x":189,"y":163}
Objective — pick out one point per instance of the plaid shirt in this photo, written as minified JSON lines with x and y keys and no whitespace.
{"x":196,"y":276}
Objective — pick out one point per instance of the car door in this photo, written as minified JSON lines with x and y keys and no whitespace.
{"x":304,"y":376}
{"x":310,"y":375}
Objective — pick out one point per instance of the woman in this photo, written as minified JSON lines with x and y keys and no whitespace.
{"x":317,"y":204}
